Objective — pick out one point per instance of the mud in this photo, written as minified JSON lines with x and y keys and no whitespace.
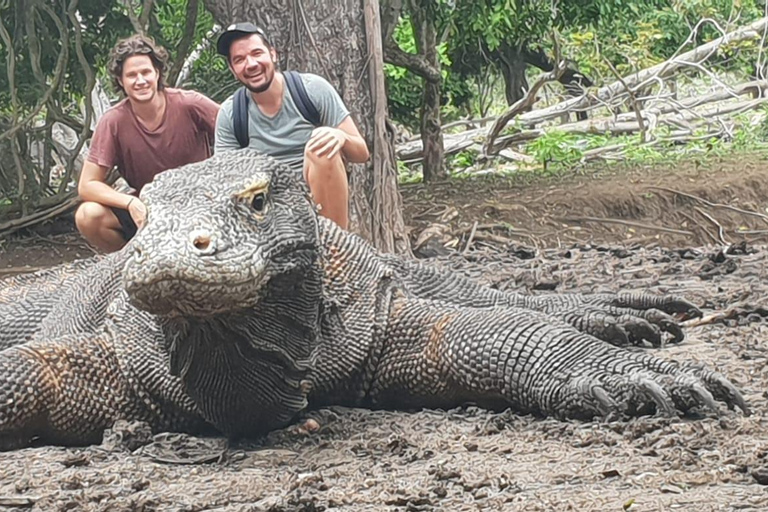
{"x":469,"y":458}
{"x":684,"y":204}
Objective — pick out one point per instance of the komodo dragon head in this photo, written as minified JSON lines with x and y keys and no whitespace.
{"x":217,"y":232}
{"x":229,"y":263}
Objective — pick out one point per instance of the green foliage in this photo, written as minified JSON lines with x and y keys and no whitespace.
{"x":644,"y":154}
{"x":407,"y":175}
{"x":635,"y":35}
{"x":210,"y":74}
{"x":462,"y":159}
{"x":101,"y":24}
{"x":53,"y":34}
{"x":751,"y":132}
{"x":555,"y":150}
{"x":404,"y":89}
{"x":631,"y":35}
{"x":47,"y":56}
{"x":761,"y":131}
{"x":491,"y":23}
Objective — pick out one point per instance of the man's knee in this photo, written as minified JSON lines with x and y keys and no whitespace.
{"x":91,"y":216}
{"x":322,"y":164}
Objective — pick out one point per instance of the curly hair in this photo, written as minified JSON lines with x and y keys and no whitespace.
{"x":137,"y":45}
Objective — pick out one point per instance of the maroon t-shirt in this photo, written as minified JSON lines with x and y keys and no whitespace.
{"x":185,"y":135}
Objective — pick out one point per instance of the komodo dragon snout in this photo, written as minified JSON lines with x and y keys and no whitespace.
{"x":215,"y":234}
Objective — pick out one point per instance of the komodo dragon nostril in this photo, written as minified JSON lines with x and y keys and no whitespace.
{"x":202,"y":241}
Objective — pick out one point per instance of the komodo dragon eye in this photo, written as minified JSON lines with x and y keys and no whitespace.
{"x":259,"y":202}
{"x":254,"y":195}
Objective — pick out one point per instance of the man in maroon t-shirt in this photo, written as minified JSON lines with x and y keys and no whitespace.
{"x":153,"y":129}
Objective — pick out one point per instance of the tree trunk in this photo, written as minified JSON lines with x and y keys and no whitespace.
{"x":425,"y":33}
{"x":341,"y":41}
{"x":431,"y":133}
{"x":512,"y":65}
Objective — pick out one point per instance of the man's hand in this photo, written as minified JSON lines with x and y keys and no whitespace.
{"x":326,"y":140}
{"x":138,"y":211}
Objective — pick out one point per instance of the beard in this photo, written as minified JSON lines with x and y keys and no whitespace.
{"x":263,"y":87}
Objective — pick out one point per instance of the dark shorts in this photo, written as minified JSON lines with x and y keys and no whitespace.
{"x":126,"y":223}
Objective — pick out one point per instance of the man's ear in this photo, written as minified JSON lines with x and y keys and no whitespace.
{"x":273,"y":54}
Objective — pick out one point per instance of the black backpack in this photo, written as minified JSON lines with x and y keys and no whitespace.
{"x":298,"y":94}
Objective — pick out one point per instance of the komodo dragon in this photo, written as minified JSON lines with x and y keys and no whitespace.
{"x":236,"y":306}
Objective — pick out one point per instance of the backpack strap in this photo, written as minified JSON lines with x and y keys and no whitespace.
{"x":240,"y":116}
{"x":301,"y":98}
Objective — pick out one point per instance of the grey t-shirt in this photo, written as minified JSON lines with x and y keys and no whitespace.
{"x":284,"y":135}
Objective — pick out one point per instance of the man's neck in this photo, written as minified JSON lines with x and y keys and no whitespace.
{"x":270,"y":101}
{"x":151,"y":113}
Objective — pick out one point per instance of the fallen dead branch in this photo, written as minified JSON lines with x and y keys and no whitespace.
{"x":615,"y":90}
{"x":685,"y":117}
{"x":720,"y":230}
{"x":693,"y":121}
{"x":67,"y":203}
{"x":702,"y":228}
{"x":710,"y":204}
{"x":490,"y":227}
{"x":18,"y":270}
{"x":733,"y":312}
{"x":18,"y":501}
{"x":470,"y":238}
{"x":628,"y":223}
{"x":520,"y":106}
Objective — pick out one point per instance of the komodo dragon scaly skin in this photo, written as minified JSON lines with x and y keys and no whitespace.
{"x":236,"y":306}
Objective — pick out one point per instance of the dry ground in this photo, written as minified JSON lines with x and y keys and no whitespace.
{"x":468,"y":458}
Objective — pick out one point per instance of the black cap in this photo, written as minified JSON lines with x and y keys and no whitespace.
{"x":236,"y":31}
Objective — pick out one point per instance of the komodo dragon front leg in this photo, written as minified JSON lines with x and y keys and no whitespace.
{"x":438,"y":354}
{"x":67,"y":390}
{"x":622,"y":319}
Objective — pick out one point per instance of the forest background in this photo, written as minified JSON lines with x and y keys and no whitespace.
{"x":454,"y":88}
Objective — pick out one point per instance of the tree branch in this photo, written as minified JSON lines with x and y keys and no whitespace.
{"x":57,"y":77}
{"x":146,"y":12}
{"x":185,"y":43}
{"x":522,"y":104}
{"x":414,"y":63}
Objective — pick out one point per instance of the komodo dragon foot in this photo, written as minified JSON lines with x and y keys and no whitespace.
{"x":624,"y":319}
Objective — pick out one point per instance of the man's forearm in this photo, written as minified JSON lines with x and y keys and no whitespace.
{"x":102,"y":193}
{"x":356,"y":150}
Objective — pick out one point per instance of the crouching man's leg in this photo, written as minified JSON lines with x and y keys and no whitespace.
{"x":100,"y":226}
{"x":327,"y":180}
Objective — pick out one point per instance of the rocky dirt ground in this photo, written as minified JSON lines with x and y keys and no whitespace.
{"x":696,"y":231}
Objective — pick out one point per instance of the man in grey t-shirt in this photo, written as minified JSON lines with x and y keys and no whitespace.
{"x":277,"y":128}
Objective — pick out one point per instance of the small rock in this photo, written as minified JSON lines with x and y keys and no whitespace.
{"x":76,"y":460}
{"x":309,"y":426}
{"x":127,"y":435}
{"x":761,"y":475}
